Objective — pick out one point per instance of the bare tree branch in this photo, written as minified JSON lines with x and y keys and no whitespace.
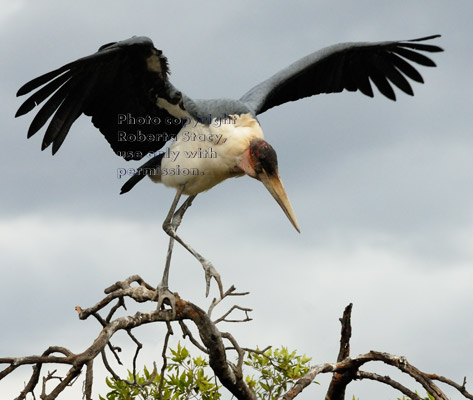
{"x":212,"y":340}
{"x":210,"y":336}
{"x":187,"y":333}
{"x":108,"y":367}
{"x":308,"y":378}
{"x":230,"y":375}
{"x":224,"y":316}
{"x":241,"y":353}
{"x":354,"y":364}
{"x":402,"y":364}
{"x":229,"y":292}
{"x":388,"y":381}
{"x":165,"y":360}
{"x":89,"y":379}
{"x":336,"y":390}
{"x":460,"y":388}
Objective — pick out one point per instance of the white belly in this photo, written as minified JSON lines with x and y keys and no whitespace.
{"x":204,"y":155}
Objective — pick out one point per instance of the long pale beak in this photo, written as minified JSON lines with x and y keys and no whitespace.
{"x":274,"y":185}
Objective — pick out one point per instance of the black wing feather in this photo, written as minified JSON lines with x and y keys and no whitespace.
{"x":362,"y":81}
{"x":423,"y":47}
{"x":378,"y":77}
{"x":48,"y":109}
{"x":41,"y":80}
{"x":404,"y":67}
{"x":346,"y":66}
{"x":144,"y":170}
{"x":121,"y":78}
{"x":416,"y":57}
{"x":394,"y":75}
{"x":42,"y":95}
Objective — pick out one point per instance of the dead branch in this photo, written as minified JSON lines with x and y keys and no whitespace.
{"x":461,"y":388}
{"x":186,"y":333}
{"x":165,"y":360}
{"x":241,"y":353}
{"x":229,"y":292}
{"x":336,"y":390}
{"x":347,"y":369}
{"x":211,"y":337}
{"x":224,"y":316}
{"x":230,"y":374}
{"x":212,"y":340}
{"x":388,"y":381}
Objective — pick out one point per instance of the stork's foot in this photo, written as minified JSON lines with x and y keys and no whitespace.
{"x":165,"y":296}
{"x":211,"y":272}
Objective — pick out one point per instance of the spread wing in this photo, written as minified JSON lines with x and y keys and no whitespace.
{"x":345,"y":66}
{"x":118,"y":86}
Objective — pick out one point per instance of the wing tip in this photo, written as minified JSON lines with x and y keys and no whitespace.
{"x":44,"y":145}
{"x":20,"y":112}
{"x":129,"y":184}
{"x":424,"y":47}
{"x":422,"y":39}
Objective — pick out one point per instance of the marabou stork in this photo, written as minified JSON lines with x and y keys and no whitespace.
{"x":126,"y":83}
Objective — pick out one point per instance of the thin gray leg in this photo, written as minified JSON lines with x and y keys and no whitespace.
{"x":170,"y":225}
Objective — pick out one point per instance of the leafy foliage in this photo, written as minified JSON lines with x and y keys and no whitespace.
{"x":188,"y":377}
{"x":185,"y":378}
{"x":277,"y":370}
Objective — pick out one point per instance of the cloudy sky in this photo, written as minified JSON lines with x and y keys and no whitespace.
{"x":382,"y":190}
